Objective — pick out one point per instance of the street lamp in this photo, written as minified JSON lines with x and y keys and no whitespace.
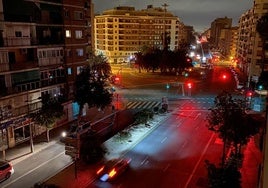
{"x":29,"y":121}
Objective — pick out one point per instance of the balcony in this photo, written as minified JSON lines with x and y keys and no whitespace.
{"x":15,"y":41}
{"x":50,"y":61}
{"x":4,"y":67}
{"x":27,"y":86}
{"x":23,"y":65}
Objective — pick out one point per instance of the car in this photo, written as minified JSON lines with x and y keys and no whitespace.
{"x":112,"y":169}
{"x":6,"y":170}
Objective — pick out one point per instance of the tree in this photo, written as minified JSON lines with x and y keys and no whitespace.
{"x":90,"y":85}
{"x":50,"y":112}
{"x":228,"y":118}
{"x":100,"y":65}
{"x":224,"y":176}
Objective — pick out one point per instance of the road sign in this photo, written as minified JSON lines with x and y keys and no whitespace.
{"x":72,"y":147}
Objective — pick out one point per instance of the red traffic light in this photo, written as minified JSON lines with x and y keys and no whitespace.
{"x":249,"y":93}
{"x":116,"y":78}
{"x":188,"y":60}
{"x":189,"y":85}
{"x":224,"y":76}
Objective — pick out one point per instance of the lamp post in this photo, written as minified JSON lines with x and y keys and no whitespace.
{"x":30,"y":125}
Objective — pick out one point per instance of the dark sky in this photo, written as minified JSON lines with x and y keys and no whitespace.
{"x":197,"y":13}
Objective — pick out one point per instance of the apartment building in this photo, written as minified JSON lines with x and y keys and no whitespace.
{"x":123,"y":31}
{"x":42,"y":48}
{"x":216,"y":31}
{"x":249,"y":44}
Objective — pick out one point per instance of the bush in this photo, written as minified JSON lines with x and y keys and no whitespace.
{"x":143,"y":116}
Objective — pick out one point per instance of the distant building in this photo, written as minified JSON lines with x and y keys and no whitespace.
{"x":123,"y":31}
{"x":216,"y":31}
{"x":42,"y":48}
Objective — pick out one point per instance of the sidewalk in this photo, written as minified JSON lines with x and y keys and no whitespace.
{"x":250,"y":167}
{"x":23,"y":150}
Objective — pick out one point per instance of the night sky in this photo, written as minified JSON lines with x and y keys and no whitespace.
{"x":197,"y":13}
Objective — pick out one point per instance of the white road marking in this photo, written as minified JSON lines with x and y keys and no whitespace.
{"x":163,"y":140}
{"x":198,"y":162}
{"x":165,"y":169}
{"x":144,"y":161}
{"x":33,"y":169}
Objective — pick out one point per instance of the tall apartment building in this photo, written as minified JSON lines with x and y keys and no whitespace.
{"x":249,"y":45}
{"x":251,"y":61}
{"x":216,"y":30}
{"x":227,"y":41}
{"x":42,"y":48}
{"x":123,"y":31}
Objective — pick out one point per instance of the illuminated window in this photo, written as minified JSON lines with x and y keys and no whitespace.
{"x":68,"y":33}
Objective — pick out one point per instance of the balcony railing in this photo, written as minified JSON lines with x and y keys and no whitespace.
{"x":50,"y":61}
{"x":27,"y":86}
{"x":4,"y":67}
{"x":17,"y":41}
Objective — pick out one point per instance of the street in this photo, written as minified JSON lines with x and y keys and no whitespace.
{"x":172,"y":155}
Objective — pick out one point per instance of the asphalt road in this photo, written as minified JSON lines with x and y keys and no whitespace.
{"x":38,"y":167}
{"x":173,"y":154}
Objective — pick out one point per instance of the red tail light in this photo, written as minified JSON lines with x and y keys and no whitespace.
{"x":100,"y":170}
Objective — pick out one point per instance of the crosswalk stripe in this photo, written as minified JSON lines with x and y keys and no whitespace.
{"x":142,"y":104}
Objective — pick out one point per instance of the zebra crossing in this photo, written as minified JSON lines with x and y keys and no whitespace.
{"x":196,"y":103}
{"x":142,"y":104}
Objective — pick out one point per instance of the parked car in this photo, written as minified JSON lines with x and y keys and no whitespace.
{"x":6,"y":170}
{"x":112,"y":169}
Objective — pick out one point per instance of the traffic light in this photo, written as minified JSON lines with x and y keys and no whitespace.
{"x":224,"y":76}
{"x":116,"y":79}
{"x":249,"y":93}
{"x":189,"y":85}
{"x":188,"y":60}
{"x":260,"y":87}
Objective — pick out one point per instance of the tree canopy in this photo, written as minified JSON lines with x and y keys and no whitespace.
{"x":90,"y":84}
{"x":165,"y":60}
{"x":228,"y":118}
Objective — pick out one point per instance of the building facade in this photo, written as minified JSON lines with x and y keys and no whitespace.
{"x":216,"y":31}
{"x":123,"y":31}
{"x":42,"y":48}
{"x":249,"y":44}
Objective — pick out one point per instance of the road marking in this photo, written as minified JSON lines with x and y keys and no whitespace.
{"x":197,"y":116}
{"x":184,"y":144}
{"x":13,"y":181}
{"x":142,"y":162}
{"x":165,"y":169}
{"x":198,"y":162}
{"x":164,"y":139}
